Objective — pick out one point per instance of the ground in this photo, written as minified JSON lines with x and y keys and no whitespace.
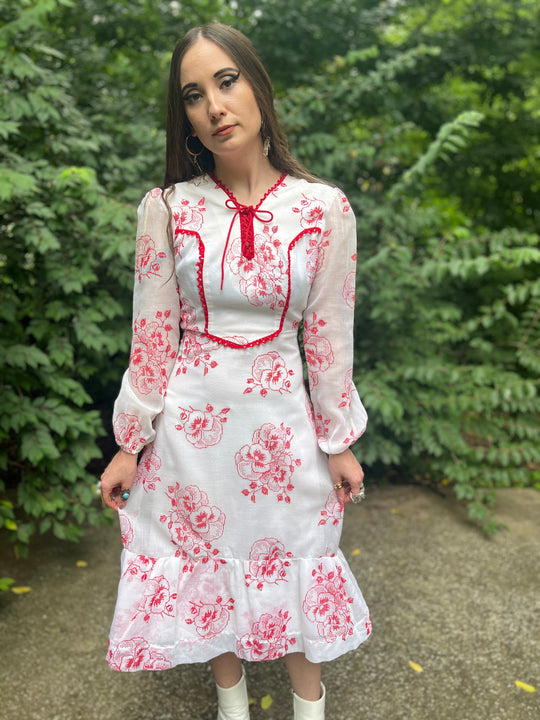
{"x":462,"y":606}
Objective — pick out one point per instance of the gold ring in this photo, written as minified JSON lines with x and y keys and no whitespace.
{"x":338,"y":486}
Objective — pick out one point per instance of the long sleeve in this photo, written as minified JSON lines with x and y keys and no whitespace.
{"x":340,"y":417}
{"x":156,"y":329}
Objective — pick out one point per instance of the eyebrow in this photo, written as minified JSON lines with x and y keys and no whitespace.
{"x":188,"y":86}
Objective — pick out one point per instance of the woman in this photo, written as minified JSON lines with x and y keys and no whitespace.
{"x":234,"y":514}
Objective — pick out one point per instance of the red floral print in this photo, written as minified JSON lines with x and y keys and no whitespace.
{"x":196,"y":353}
{"x":126,"y":531}
{"x":322,"y":427}
{"x":136,"y":654}
{"x":127,"y":432}
{"x":269,"y":372}
{"x":267,"y":563}
{"x":150,"y":350}
{"x":333,"y":510}
{"x":327,"y":604}
{"x":139,"y":567}
{"x":147,"y":259}
{"x":349,"y":289}
{"x":349,"y":387}
{"x":192,"y":524}
{"x":157,"y":599}
{"x":318,"y":349}
{"x":210,"y":618}
{"x":148,"y":467}
{"x":345,"y":206}
{"x":263,"y":277}
{"x":267,"y":462}
{"x":188,"y":216}
{"x":267,"y":639}
{"x":315,"y":253}
{"x":202,"y":428}
{"x":311,"y":211}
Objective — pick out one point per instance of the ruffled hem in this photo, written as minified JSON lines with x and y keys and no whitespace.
{"x":171,"y":611}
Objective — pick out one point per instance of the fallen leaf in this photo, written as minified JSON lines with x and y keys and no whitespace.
{"x":415,"y":666}
{"x":81,"y":563}
{"x":524,"y":686}
{"x":251,"y":700}
{"x":20,"y":589}
{"x":356,"y":551}
{"x":266,"y":701}
{"x":394,"y":511}
{"x":445,"y":481}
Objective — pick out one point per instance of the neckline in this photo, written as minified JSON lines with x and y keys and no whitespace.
{"x":231,"y":196}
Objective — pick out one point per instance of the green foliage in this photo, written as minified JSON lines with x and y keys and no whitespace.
{"x":427,"y":114}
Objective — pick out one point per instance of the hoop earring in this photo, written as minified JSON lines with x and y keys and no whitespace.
{"x":194,"y":155}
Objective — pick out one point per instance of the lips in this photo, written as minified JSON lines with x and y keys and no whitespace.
{"x":223,"y":130}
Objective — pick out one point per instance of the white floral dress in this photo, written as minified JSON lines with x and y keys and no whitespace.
{"x":231,"y":531}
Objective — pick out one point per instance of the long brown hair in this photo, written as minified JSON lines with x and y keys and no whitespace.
{"x":178,"y":166}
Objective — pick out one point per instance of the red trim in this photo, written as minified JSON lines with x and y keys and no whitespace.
{"x":202,"y":296}
{"x":235,"y":201}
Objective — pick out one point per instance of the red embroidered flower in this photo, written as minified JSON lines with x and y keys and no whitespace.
{"x":187,"y":216}
{"x":318,"y":350}
{"x":267,"y":462}
{"x":126,"y":530}
{"x":311,"y":211}
{"x":147,"y":259}
{"x":136,"y":654}
{"x":157,"y":599}
{"x":327,"y":604}
{"x":349,"y":289}
{"x":267,"y":639}
{"x":267,"y":563}
{"x":150,"y":351}
{"x":202,"y":428}
{"x":333,"y":510}
{"x":269,"y":372}
{"x":148,"y":467}
{"x":127,"y":432}
{"x":210,"y":619}
{"x":140,"y":566}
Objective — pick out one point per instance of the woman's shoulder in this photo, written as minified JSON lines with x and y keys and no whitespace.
{"x":329,"y":196}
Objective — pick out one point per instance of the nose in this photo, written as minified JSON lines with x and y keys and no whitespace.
{"x":215,"y":107}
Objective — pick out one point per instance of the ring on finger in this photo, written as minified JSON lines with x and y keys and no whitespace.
{"x":338,"y":486}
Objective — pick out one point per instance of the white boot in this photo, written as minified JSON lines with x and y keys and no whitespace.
{"x":309,"y":710}
{"x":233,"y":702}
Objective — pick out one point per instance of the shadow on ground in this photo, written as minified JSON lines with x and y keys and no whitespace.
{"x":462,"y":606}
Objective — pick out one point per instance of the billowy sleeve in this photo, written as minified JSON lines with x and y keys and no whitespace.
{"x":340,"y":417}
{"x":156,"y":329}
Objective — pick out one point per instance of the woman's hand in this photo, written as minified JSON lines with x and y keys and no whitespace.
{"x":345,"y":470}
{"x":118,"y":477}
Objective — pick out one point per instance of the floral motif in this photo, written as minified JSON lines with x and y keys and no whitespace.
{"x":195,"y":353}
{"x":311,"y":211}
{"x":202,"y":428}
{"x":269,"y":372}
{"x":333,"y":510}
{"x":267,"y":462}
{"x":148,"y":467}
{"x":267,"y":639}
{"x":345,"y":206}
{"x":322,"y":427}
{"x":349,"y":289}
{"x":140,"y":566}
{"x":315,"y":253}
{"x":327,"y":604}
{"x":188,"y":217}
{"x":192,"y":524}
{"x":262,"y":278}
{"x":147,"y":259}
{"x":126,"y":530}
{"x":349,"y":388}
{"x":318,"y":350}
{"x":267,"y":563}
{"x":136,"y":654}
{"x":150,"y":350}
{"x":210,"y":618}
{"x":157,"y":599}
{"x":127,"y":432}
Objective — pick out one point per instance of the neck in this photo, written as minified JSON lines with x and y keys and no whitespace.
{"x":246,"y":178}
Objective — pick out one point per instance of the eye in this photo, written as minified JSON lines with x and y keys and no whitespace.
{"x":192,"y":98}
{"x":229,"y":80}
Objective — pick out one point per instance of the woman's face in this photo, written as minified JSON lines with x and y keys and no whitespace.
{"x":219,"y":102}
